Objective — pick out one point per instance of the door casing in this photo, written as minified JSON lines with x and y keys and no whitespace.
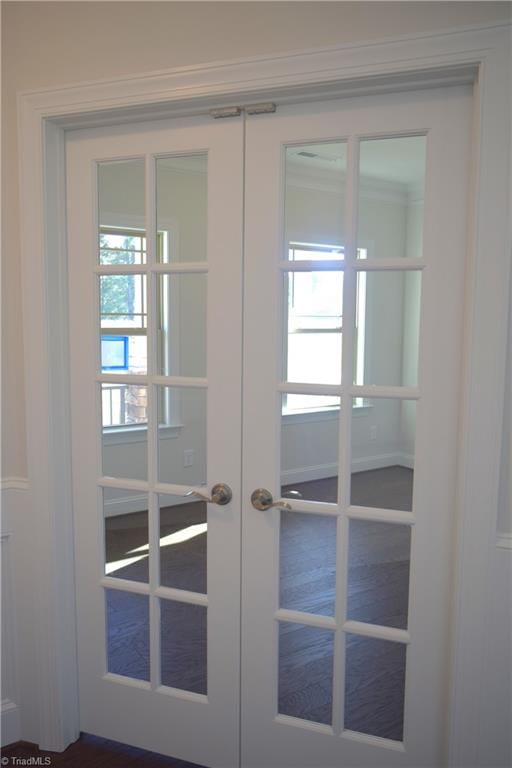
{"x":480,"y":56}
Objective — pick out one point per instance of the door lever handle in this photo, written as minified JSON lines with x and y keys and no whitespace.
{"x":261,"y":499}
{"x":221,"y":494}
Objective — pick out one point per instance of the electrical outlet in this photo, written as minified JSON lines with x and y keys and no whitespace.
{"x":188,"y":457}
{"x":373,"y":432}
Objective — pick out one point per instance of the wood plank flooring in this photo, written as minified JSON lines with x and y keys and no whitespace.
{"x":378,"y":590}
{"x":378,"y":593}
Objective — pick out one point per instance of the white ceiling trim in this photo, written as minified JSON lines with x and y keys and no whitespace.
{"x":415,"y":61}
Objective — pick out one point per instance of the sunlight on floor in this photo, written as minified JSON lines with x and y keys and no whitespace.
{"x":176,"y":538}
{"x":166,"y":541}
{"x":117,"y":564}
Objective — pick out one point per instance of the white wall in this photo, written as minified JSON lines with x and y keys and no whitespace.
{"x":52,"y":44}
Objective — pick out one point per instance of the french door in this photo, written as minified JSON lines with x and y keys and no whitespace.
{"x":264,"y":459}
{"x":155,"y":234}
{"x":354,"y":275}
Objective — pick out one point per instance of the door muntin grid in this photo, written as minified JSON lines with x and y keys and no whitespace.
{"x":147,"y":409}
{"x":357,"y":264}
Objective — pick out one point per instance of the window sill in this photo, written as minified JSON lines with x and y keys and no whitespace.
{"x":129,"y":435}
{"x":323,"y":414}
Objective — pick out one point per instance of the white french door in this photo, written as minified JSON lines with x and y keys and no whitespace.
{"x":354,"y":278}
{"x":303,"y":620}
{"x":155,"y":236}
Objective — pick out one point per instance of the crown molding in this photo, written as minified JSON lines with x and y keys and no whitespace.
{"x":442,"y":58}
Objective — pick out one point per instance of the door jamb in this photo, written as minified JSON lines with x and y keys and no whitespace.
{"x":479,"y":55}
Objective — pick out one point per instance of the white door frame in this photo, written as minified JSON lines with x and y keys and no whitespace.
{"x":478,"y":55}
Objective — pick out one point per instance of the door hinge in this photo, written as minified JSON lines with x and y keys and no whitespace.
{"x":251,"y":109}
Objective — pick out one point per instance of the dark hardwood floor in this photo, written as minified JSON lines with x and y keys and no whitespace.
{"x":91,"y":752}
{"x":388,"y":488}
{"x":377,"y":593}
{"x":378,"y":588}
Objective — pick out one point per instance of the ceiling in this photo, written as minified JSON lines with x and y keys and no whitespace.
{"x":398,"y":160}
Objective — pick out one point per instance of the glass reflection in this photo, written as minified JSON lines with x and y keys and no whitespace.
{"x":182,"y":207}
{"x":127,"y":616}
{"x":305,"y":672}
{"x":182,"y":324}
{"x":121,"y":212}
{"x":378,"y":573}
{"x":309,"y":438}
{"x":182,"y":435}
{"x":123,"y":315}
{"x":313,"y":327}
{"x":183,"y":543}
{"x":183,"y":646}
{"x":383,"y":453}
{"x":375,"y":687}
{"x":387,"y":328}
{"x":307,"y":562}
{"x":315,"y":176}
{"x":391,"y":191}
{"x":126,"y":534}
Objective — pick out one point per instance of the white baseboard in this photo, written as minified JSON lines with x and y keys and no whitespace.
{"x":304,"y":474}
{"x":125,"y":505}
{"x":382,"y":460}
{"x":11,"y":723}
{"x":322,"y":471}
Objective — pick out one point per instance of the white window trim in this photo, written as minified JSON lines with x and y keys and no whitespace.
{"x":359,"y":409}
{"x":170,"y":226}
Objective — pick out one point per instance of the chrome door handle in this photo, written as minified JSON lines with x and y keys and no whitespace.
{"x":261,"y":499}
{"x":221,"y":494}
